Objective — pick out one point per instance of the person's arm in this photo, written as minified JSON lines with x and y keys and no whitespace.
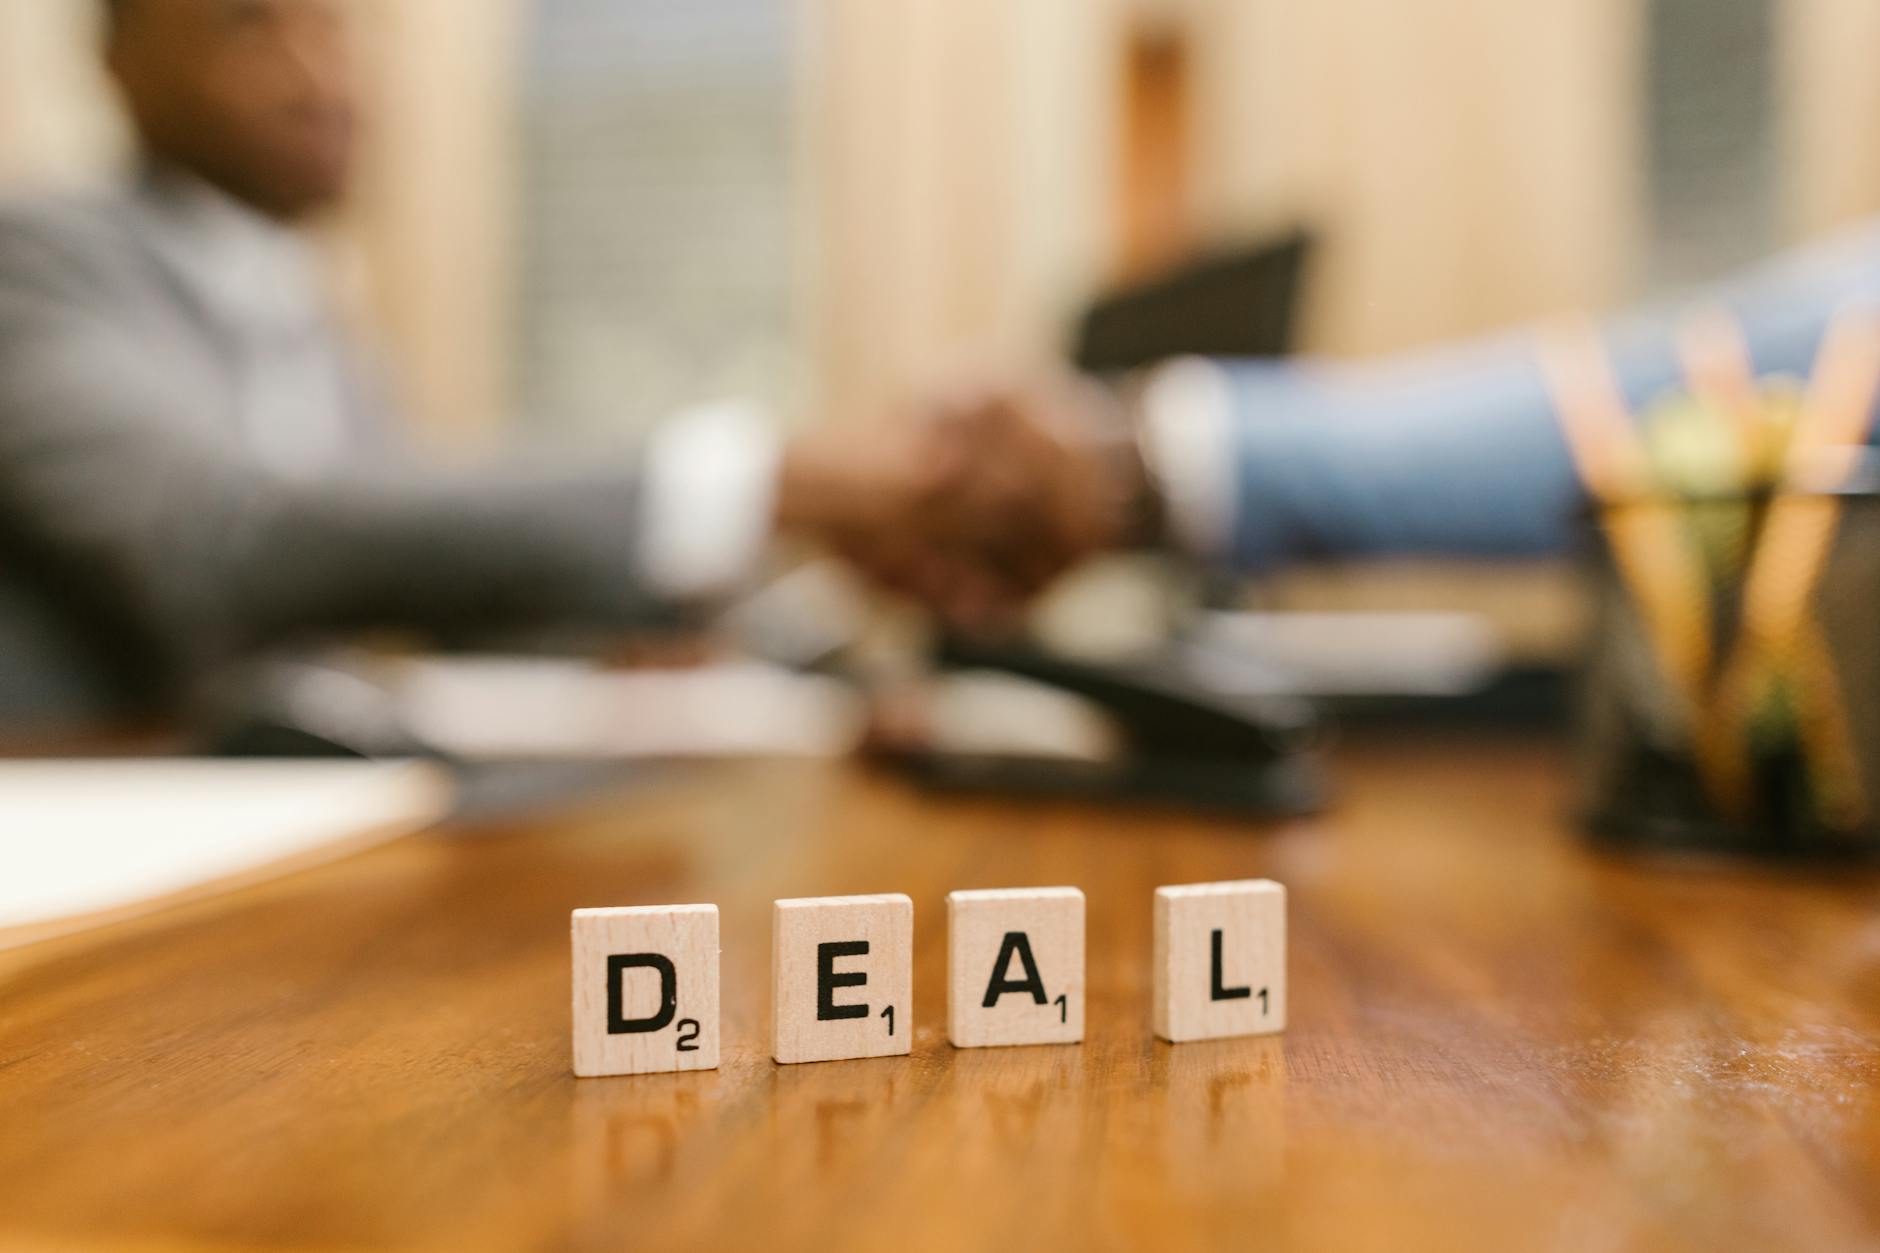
{"x":132,"y":498}
{"x":1451,"y":451}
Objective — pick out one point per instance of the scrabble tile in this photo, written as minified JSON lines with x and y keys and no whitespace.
{"x":1220,"y":960}
{"x":645,"y":989}
{"x":1015,"y":967}
{"x":842,"y":973}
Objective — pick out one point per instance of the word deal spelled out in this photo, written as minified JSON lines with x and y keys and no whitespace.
{"x":842,"y":974}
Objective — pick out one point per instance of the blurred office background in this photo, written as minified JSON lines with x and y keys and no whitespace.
{"x":579,"y":214}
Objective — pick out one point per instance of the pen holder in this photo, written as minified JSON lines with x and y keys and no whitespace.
{"x":1699,"y":728}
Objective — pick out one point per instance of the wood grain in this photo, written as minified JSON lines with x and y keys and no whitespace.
{"x":1498,"y":1040}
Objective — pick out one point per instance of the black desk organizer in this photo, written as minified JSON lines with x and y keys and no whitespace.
{"x":1639,"y":786}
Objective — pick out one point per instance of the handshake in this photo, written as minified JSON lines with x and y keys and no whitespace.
{"x":984,"y":497}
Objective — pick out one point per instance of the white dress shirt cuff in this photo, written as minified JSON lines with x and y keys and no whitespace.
{"x":708,"y":493}
{"x":1188,"y":449}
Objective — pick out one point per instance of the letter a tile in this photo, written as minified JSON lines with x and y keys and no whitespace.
{"x":842,"y":970}
{"x":1015,"y":967}
{"x":1220,"y":960}
{"x":645,"y":989}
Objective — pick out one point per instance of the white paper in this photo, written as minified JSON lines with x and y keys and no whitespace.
{"x":503,"y":707}
{"x":86,"y":837}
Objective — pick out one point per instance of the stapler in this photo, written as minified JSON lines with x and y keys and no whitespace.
{"x":1184,"y":738}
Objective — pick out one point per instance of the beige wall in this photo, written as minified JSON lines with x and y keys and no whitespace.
{"x":432,"y":218}
{"x":957,"y":162}
{"x":57,"y":123}
{"x":1472,"y":160}
{"x":1829,"y":54}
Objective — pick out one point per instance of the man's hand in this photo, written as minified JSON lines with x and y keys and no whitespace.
{"x":976,"y":501}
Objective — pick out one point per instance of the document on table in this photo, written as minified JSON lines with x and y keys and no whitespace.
{"x":501,"y":708}
{"x":83,"y":842}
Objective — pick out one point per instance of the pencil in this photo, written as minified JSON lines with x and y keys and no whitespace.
{"x":1779,"y":632}
{"x":1657,"y":563}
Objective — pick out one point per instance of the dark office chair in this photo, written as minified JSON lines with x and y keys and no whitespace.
{"x":1238,"y":303}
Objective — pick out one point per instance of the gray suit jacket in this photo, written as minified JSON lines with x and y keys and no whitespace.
{"x":150,"y":528}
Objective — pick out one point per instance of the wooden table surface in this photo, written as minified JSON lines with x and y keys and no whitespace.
{"x":1499,"y":1040}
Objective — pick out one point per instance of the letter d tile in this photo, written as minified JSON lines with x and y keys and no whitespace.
{"x":645,"y":989}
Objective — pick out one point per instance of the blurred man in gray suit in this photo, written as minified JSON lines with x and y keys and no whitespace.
{"x":193,"y":466}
